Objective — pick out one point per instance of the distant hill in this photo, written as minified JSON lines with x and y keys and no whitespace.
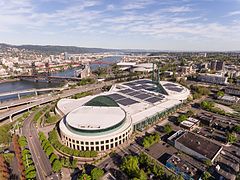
{"x":51,"y":49}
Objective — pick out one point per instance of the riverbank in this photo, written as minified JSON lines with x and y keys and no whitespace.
{"x":9,"y":80}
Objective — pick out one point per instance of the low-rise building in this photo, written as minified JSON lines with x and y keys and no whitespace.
{"x":233,"y":90}
{"x":197,"y":146}
{"x":190,"y":124}
{"x":186,"y":169}
{"x":207,"y":120}
{"x":227,"y":99}
{"x":213,"y":78}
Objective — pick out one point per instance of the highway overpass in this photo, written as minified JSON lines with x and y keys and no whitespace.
{"x":49,"y":98}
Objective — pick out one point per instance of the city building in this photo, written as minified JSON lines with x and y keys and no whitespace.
{"x":213,"y":78}
{"x":186,"y":70}
{"x":84,"y":71}
{"x":102,"y":122}
{"x":190,"y":124}
{"x":233,"y":90}
{"x":207,"y":119}
{"x":213,"y":65}
{"x":217,"y":65}
{"x":227,"y":99}
{"x":196,"y":146}
{"x":143,"y":67}
{"x":220,"y":65}
{"x":183,"y":167}
{"x":125,"y":65}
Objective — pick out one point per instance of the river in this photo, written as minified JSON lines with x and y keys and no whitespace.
{"x":24,"y":85}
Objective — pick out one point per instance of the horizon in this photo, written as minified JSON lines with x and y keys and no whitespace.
{"x":131,"y":49}
{"x":184,"y":25}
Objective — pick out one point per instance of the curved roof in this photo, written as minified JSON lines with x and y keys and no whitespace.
{"x":102,"y":101}
{"x":95,"y":118}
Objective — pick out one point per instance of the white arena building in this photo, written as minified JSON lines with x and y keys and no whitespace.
{"x":102,"y":122}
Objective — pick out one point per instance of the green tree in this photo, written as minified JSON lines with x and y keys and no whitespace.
{"x":97,"y":173}
{"x":142,"y":175}
{"x":5,"y":136}
{"x":220,"y":94}
{"x":49,"y":150}
{"x":57,"y":166}
{"x":168,"y":128}
{"x":144,"y":159}
{"x":236,"y":128}
{"x":208,"y":162}
{"x":53,"y":157}
{"x":22,"y":141}
{"x":231,"y":137}
{"x":182,"y":118}
{"x":130,"y":166}
{"x":150,"y":140}
{"x":206,"y":175}
{"x":157,"y":170}
{"x":208,"y":105}
{"x":84,"y":177}
{"x":31,"y":175}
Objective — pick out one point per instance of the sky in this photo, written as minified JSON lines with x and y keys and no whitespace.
{"x":189,"y":25}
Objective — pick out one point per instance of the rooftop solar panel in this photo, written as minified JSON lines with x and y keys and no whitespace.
{"x":116,"y":96}
{"x":127,"y":101}
{"x":125,"y":91}
{"x":133,"y":93}
{"x":153,"y":99}
{"x":130,"y":84}
{"x":143,"y":96}
{"x":137,"y":87}
{"x":143,"y":81}
{"x":147,"y":86}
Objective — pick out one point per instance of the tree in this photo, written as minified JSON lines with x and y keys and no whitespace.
{"x":57,"y":166}
{"x":22,"y":141}
{"x":220,"y":94}
{"x":231,"y":137}
{"x":130,"y":166}
{"x":142,"y":175}
{"x":144,"y":159}
{"x":49,"y":150}
{"x":206,"y":175}
{"x":182,"y":118}
{"x":208,"y":162}
{"x":236,"y":128}
{"x":190,"y":113}
{"x":53,"y":157}
{"x":150,"y":140}
{"x":157,"y":170}
{"x":97,"y":173}
{"x":5,"y":136}
{"x":84,"y":177}
{"x":168,"y":128}
{"x":4,"y":171}
{"x":207,"y":105}
{"x":31,"y":175}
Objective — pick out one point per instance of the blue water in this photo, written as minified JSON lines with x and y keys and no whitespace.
{"x":71,"y":72}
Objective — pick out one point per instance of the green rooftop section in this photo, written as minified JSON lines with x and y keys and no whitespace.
{"x":102,"y":101}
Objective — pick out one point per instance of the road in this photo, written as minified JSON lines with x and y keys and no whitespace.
{"x":41,"y":161}
{"x":49,"y":98}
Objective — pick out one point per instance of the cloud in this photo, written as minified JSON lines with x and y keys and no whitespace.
{"x":178,"y":9}
{"x":139,"y":18}
{"x":233,"y":13}
{"x":137,"y":4}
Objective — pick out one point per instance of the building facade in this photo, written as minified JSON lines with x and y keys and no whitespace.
{"x":105,"y":121}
